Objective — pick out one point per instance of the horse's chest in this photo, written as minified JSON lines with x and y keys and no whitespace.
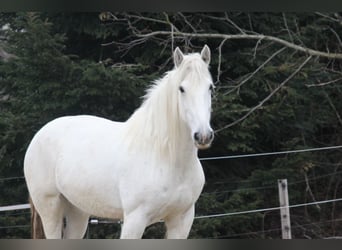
{"x":179,"y":196}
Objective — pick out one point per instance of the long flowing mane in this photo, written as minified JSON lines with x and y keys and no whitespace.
{"x":156,"y":124}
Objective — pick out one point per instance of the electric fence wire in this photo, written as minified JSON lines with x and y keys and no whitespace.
{"x":266,"y":209}
{"x":236,"y":156}
{"x":274,"y":229}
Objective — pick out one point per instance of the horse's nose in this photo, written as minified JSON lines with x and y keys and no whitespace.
{"x":203,"y":140}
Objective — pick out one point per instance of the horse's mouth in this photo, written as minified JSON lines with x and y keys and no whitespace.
{"x":202,"y":146}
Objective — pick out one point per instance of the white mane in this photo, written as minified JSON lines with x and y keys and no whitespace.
{"x":156,"y":124}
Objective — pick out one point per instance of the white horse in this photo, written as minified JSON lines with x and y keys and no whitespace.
{"x":142,"y":171}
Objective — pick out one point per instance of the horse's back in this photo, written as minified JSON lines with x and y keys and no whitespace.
{"x":62,"y":145}
{"x":56,"y":134}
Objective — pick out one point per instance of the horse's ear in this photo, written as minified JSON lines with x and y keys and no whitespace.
{"x":178,"y":57}
{"x":205,"y":54}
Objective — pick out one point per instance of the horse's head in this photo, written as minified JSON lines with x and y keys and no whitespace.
{"x":194,"y":94}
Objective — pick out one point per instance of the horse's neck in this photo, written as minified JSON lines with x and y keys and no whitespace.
{"x":156,"y":132}
{"x":157,"y":127}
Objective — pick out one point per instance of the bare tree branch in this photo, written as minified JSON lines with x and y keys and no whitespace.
{"x":267,"y":98}
{"x":256,"y":47}
{"x":337,"y":36}
{"x":173,"y":28}
{"x":334,"y":108}
{"x":187,"y":22}
{"x":219,"y":61}
{"x":308,"y":51}
{"x":309,"y":190}
{"x":323,"y":83}
{"x":256,"y":71}
{"x":287,"y":27}
{"x":234,"y":24}
{"x":328,"y":17}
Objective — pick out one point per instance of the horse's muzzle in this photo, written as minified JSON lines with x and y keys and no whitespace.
{"x":203,"y":140}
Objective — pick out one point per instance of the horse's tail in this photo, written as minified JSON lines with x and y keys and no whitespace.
{"x":37,"y":231}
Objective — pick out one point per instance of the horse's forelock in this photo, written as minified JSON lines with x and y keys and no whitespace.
{"x":194,"y":66}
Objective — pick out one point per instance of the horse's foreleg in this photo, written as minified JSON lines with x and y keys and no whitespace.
{"x":179,"y":226}
{"x":133,"y":226}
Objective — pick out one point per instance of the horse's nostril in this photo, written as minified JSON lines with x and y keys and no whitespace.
{"x":196,"y":136}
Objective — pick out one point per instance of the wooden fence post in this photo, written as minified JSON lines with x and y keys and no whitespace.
{"x":284,"y":210}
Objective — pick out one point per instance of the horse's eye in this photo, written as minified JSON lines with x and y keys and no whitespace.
{"x":181,"y":89}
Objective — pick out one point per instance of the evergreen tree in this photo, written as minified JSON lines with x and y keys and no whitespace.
{"x":96,"y":63}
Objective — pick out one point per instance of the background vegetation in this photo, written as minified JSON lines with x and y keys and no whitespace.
{"x":56,"y":64}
